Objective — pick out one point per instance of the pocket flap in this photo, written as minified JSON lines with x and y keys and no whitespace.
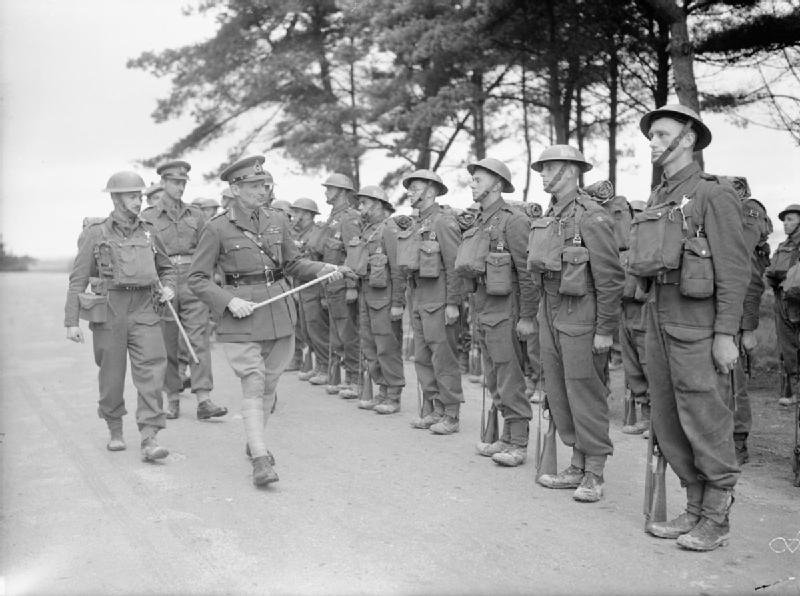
{"x":492,"y":319}
{"x":431,"y":308}
{"x":573,"y":329}
{"x":697,"y":246}
{"x":89,"y":301}
{"x":377,"y":303}
{"x":496,"y":259}
{"x":429,"y":246}
{"x":542,"y":222}
{"x":688,"y":333}
{"x":575,"y":255}
{"x":403,"y":234}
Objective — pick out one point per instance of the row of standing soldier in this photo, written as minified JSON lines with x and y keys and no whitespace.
{"x":683,"y":305}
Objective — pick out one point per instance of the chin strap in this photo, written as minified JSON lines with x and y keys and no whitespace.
{"x":556,"y":179}
{"x":674,"y":144}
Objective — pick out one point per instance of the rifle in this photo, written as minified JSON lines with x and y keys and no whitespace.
{"x":545,"y":449}
{"x":796,"y":462}
{"x":475,"y":367}
{"x":629,"y":417}
{"x":490,"y":431}
{"x":655,"y":486}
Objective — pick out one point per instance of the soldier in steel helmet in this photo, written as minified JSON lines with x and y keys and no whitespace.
{"x":632,"y":344}
{"x":575,"y":263}
{"x":226,"y":197}
{"x":179,"y":224}
{"x":254,"y":248}
{"x":127,"y":265}
{"x":207,"y":205}
{"x":787,"y":309}
{"x":435,"y":296}
{"x":693,"y":313}
{"x":756,"y":228}
{"x":312,"y":313}
{"x":344,"y":224}
{"x":382,"y":287}
{"x":504,"y":305}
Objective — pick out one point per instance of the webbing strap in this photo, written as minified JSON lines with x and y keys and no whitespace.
{"x":674,"y":144}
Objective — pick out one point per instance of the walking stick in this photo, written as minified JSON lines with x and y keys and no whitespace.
{"x":180,"y":327}
{"x":283,"y":295}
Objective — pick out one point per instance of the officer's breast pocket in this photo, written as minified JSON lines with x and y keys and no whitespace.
{"x":238,"y":256}
{"x":274,"y":241}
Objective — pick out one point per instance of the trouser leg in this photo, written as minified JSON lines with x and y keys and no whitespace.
{"x":316,"y":319}
{"x":110,"y":346}
{"x":248,"y":364}
{"x":194,"y":315}
{"x":632,"y":346}
{"x":170,"y":338}
{"x":276,"y":355}
{"x":148,"y":367}
{"x":423,"y":363}
{"x":441,"y":341}
{"x":691,"y":420}
{"x":343,"y":330}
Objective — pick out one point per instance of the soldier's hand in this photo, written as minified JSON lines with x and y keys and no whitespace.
{"x":240,"y":308}
{"x":328,"y":268}
{"x":725,"y":352}
{"x":450,"y":314}
{"x":525,"y":328}
{"x":602,"y":343}
{"x":351,"y":295}
{"x":749,"y":341}
{"x":167,"y":294}
{"x":396,"y":313}
{"x":75,"y":334}
{"x":324,"y":303}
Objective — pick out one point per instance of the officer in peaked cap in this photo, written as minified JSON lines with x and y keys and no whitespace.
{"x":253,"y":247}
{"x":121,"y":312}
{"x":313,"y":313}
{"x":179,"y":225}
{"x":344,"y":224}
{"x":435,"y":299}
{"x":691,"y":347}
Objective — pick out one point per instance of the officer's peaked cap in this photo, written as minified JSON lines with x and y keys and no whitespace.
{"x":176,"y":169}
{"x":245,"y":170}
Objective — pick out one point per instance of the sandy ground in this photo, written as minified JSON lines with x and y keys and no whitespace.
{"x":365,"y":504}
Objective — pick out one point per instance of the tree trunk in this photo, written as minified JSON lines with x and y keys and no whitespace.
{"x":559,"y":121}
{"x":478,"y":101}
{"x":354,"y":117}
{"x":613,"y":109}
{"x":579,"y":123}
{"x":527,"y":135}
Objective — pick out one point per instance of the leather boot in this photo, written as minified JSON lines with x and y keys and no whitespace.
{"x":590,"y":489}
{"x":115,"y":440}
{"x":687,"y":520}
{"x":263,"y":472}
{"x":369,"y":404}
{"x":490,"y":449}
{"x":512,"y":456}
{"x":151,"y":450}
{"x":320,"y":377}
{"x":448,"y":425}
{"x":740,"y":442}
{"x":306,"y":375}
{"x":390,"y":405}
{"x":208,"y":409}
{"x":714,"y":528}
{"x":173,"y":406}
{"x":570,"y":477}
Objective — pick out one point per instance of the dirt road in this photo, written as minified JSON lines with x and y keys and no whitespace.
{"x":365,"y":504}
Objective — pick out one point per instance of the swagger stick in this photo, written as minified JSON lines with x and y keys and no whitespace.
{"x":294,"y":290}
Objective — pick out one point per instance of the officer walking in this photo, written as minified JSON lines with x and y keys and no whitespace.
{"x":254,"y":248}
{"x":179,"y":225}
{"x":505,"y":304}
{"x":693,"y":313}
{"x":632,"y":344}
{"x":128,"y":266}
{"x":787,"y":310}
{"x":575,"y":260}
{"x":313,"y":315}
{"x":344,"y":224}
{"x":382,"y":290}
{"x":435,"y":294}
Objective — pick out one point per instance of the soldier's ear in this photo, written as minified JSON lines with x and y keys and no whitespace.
{"x":689,"y":139}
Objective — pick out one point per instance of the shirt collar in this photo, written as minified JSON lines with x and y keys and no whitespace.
{"x":563,"y":202}
{"x":669,"y":183}
{"x":426,"y":213}
{"x":487,"y":212}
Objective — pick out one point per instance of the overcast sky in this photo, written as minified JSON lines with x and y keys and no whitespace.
{"x":72,"y":114}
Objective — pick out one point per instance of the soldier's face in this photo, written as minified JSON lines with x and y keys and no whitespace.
{"x":417,"y":191}
{"x":154,"y":198}
{"x":662,"y":133}
{"x":174,"y":188}
{"x":209,"y":212}
{"x":250,"y":193}
{"x":331,"y":194}
{"x":366,"y":206}
{"x":301,"y":218}
{"x":790,"y":221}
{"x":568,"y":179}
{"x":131,"y":202}
{"x":482,"y":184}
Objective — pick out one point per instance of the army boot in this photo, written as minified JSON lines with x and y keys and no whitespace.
{"x":307,"y":374}
{"x":320,"y":377}
{"x":151,"y":450}
{"x":642,"y":424}
{"x":448,"y":425}
{"x":208,"y":409}
{"x":713,"y":530}
{"x":263,"y":472}
{"x":391,"y":404}
{"x":740,"y":442}
{"x":349,"y":389}
{"x":115,"y":440}
{"x":687,"y":520}
{"x":430,"y":415}
{"x":590,"y":489}
{"x":173,"y":406}
{"x":490,"y":449}
{"x":511,"y":456}
{"x":250,"y":455}
{"x":366,"y":402}
{"x":570,"y":477}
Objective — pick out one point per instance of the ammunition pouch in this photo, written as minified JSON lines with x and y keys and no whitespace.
{"x":378,"y":276}
{"x":471,"y":257}
{"x":656,"y":240}
{"x":430,"y":259}
{"x":545,"y":245}
{"x":357,"y":256}
{"x":408,"y":243}
{"x":499,"y":276}
{"x":574,"y":271}
{"x":697,"y":269}
{"x":93,"y":307}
